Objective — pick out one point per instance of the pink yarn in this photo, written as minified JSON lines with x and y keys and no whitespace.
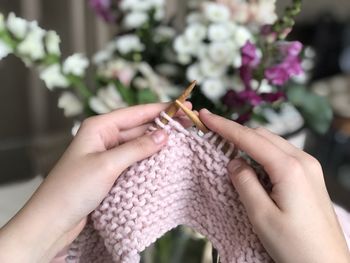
{"x":186,"y":183}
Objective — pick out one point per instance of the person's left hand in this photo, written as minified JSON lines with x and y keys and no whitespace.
{"x":102,"y":149}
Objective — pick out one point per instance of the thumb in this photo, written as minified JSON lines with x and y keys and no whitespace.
{"x":251,"y":192}
{"x":135,"y":150}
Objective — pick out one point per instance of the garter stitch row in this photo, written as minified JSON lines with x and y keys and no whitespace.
{"x":186,"y":183}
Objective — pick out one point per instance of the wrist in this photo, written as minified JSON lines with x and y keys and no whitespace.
{"x":30,"y":237}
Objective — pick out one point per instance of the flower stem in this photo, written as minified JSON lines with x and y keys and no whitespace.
{"x":80,"y":86}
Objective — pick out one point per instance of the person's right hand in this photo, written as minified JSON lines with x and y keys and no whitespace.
{"x":296,"y":222}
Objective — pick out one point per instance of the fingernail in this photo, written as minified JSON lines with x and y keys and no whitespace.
{"x":234,"y":165}
{"x":159,"y":136}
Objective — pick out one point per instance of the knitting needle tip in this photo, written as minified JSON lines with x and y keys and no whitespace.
{"x":193,"y":117}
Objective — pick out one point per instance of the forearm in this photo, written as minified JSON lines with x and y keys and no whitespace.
{"x":31,"y":236}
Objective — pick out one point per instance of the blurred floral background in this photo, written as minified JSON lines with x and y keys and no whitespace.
{"x":281,"y":64}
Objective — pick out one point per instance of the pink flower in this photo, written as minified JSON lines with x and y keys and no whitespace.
{"x":279,"y":74}
{"x":250,"y":55}
{"x":250,"y":60}
{"x":104,"y":9}
{"x":290,"y":48}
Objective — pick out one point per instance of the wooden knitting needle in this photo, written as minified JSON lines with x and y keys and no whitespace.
{"x":199,"y":124}
{"x":173,"y":108}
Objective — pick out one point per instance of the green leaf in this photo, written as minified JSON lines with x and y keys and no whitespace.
{"x":146,"y":96}
{"x":127,"y":93}
{"x":315,"y":109}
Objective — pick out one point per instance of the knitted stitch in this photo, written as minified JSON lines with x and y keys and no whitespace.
{"x":186,"y":183}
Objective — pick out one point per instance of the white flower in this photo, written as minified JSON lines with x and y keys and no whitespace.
{"x":210,"y":69}
{"x":17,"y":25}
{"x":202,"y":51}
{"x":101,"y":56}
{"x":215,"y":12}
{"x":183,"y":46}
{"x":242,"y":35}
{"x":2,"y":22}
{"x":184,"y":59}
{"x":53,"y":77}
{"x":264,"y":12}
{"x":159,"y":14}
{"x":107,"y":99}
{"x":4,"y":49}
{"x":135,"y":5}
{"x":163,"y":33}
{"x":70,"y":104}
{"x":129,"y":43}
{"x":98,"y":106}
{"x":32,"y":46}
{"x":219,"y":32}
{"x":75,"y":127}
{"x":237,"y":61}
{"x":141,"y":83}
{"x":75,"y":65}
{"x":111,"y":97}
{"x":214,"y":89}
{"x":194,"y":73}
{"x":195,"y":17}
{"x":195,"y":32}
{"x":220,"y":52}
{"x":157,"y":3}
{"x":53,"y":43}
{"x":135,"y":19}
{"x":120,"y":69}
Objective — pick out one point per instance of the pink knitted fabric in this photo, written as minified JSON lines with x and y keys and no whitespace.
{"x":186,"y":183}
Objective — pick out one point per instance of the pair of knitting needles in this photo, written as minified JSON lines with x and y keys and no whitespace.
{"x":178,"y":104}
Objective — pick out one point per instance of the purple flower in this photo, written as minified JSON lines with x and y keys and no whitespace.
{"x":250,"y":56}
{"x":244,"y":117}
{"x":289,"y":66}
{"x":290,"y":48}
{"x":103,"y":8}
{"x":233,"y":99}
{"x":277,"y":75}
{"x":250,"y":60}
{"x":273,"y":96}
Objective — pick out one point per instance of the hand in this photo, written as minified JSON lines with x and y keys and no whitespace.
{"x":296,"y":222}
{"x":103,"y":148}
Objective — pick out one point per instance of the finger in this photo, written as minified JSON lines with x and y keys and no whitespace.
{"x":288,"y":148}
{"x":278,"y":141}
{"x":253,"y":196}
{"x":107,"y":127}
{"x":133,"y":151}
{"x":135,"y":116}
{"x":131,"y":117}
{"x":133,"y":133}
{"x":250,"y":142}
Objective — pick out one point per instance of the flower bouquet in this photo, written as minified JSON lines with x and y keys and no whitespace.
{"x":237,"y":51}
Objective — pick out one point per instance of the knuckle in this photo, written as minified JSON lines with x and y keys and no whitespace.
{"x":294,"y":165}
{"x":314,"y":163}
